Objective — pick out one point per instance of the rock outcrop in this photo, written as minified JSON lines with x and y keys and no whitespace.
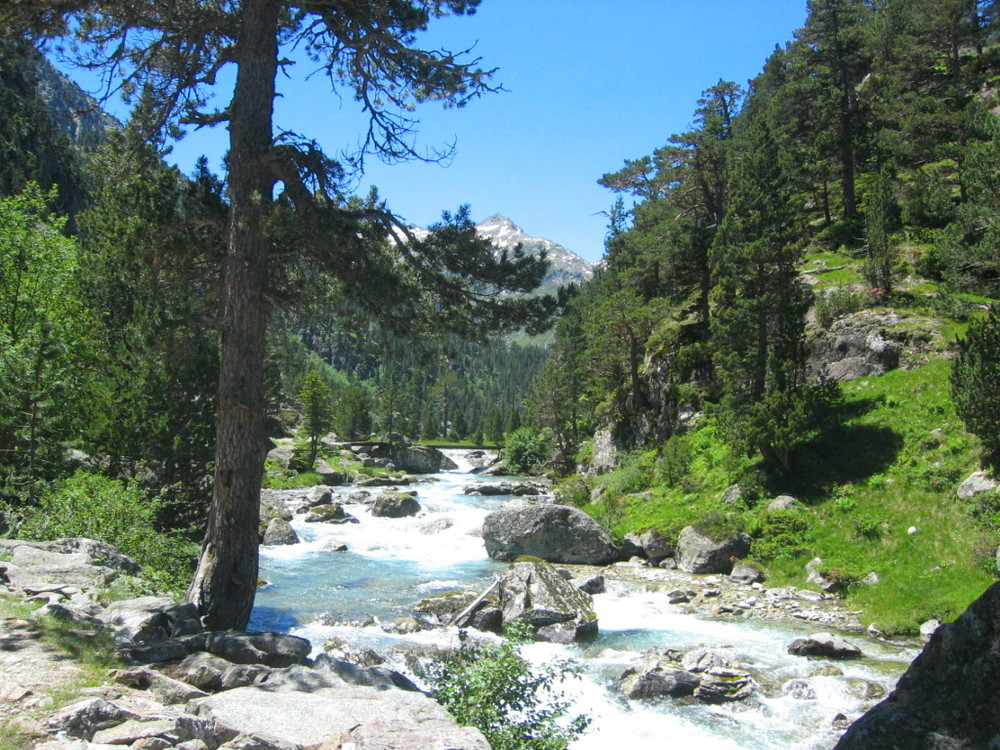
{"x":946,"y":699}
{"x":556,"y":533}
{"x":211,"y":691}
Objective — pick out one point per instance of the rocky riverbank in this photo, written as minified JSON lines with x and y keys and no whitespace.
{"x":183,"y":687}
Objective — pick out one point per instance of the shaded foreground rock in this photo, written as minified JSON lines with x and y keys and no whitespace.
{"x":368,"y":717}
{"x":947,"y":697}
{"x":556,"y":533}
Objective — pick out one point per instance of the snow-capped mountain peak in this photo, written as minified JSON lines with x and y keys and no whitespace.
{"x":566,"y":266}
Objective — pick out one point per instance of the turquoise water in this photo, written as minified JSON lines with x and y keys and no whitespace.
{"x":392,"y":563}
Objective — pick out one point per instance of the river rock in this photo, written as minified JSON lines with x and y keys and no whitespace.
{"x":699,"y":553}
{"x":505,"y":488}
{"x":824,"y":645}
{"x":535,"y":593}
{"x":394,"y":505}
{"x":703,"y":659}
{"x":328,"y":473}
{"x":167,"y":690}
{"x":149,"y":619}
{"x":746,"y":573}
{"x":332,"y":513}
{"x":946,"y":699}
{"x":557,"y":533}
{"x":651,"y":544}
{"x":213,"y":673}
{"x":421,"y":459}
{"x":279,"y":532}
{"x":814,"y":575}
{"x":272,"y":505}
{"x":338,"y":647}
{"x":724,"y":685}
{"x":658,"y":676}
{"x":84,"y":718}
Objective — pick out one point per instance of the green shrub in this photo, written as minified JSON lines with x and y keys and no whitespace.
{"x":632,"y":474}
{"x":778,"y":534}
{"x":96,"y":507}
{"x":526,"y":449}
{"x":516,"y":706}
{"x":675,"y":460}
{"x":867,"y":527}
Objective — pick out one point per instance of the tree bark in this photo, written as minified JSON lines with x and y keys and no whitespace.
{"x":225,"y":582}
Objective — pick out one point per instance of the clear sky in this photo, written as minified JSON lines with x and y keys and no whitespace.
{"x":589,"y":83}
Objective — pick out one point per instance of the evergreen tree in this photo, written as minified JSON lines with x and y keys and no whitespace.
{"x":975,"y":381}
{"x":371,"y":50}
{"x":760,"y":305}
{"x":317,"y":411}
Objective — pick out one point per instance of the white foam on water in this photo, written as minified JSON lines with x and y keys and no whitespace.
{"x":427,"y":553}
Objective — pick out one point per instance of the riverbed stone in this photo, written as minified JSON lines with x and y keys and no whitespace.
{"x":824,"y":645}
{"x":556,"y":533}
{"x":394,"y":505}
{"x":724,"y":685}
{"x":699,"y":553}
{"x":658,"y":676}
{"x":279,"y":532}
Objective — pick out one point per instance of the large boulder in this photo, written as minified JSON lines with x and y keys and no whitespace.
{"x":658,"y":676}
{"x":279,"y":532}
{"x":395,"y":505}
{"x":557,"y":533}
{"x":535,"y":593}
{"x":947,"y":697}
{"x":699,"y":553}
{"x":421,"y":459}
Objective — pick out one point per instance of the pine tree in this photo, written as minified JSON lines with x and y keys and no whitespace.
{"x":316,"y":399}
{"x":760,"y":305}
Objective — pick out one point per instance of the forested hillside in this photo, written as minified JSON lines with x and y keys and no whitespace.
{"x":834,"y":220}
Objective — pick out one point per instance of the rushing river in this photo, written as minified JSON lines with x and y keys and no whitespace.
{"x":392,"y":563}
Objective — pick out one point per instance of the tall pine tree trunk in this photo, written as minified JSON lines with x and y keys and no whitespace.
{"x":225,"y":582}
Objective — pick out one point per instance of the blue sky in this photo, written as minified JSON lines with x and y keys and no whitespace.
{"x":589,"y":83}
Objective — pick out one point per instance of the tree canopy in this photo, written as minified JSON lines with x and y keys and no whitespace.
{"x":287,"y":201}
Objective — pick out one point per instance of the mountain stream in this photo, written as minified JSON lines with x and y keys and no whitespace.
{"x":390,"y":564}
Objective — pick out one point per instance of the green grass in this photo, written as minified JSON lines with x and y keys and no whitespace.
{"x":893,"y":462}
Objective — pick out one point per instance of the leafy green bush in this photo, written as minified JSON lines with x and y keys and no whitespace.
{"x":778,"y":534}
{"x":96,"y":507}
{"x":632,"y":474}
{"x":526,"y":448}
{"x":515,"y":705}
{"x":867,"y":527}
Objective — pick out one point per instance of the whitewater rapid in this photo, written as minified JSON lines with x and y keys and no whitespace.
{"x":390,"y":564}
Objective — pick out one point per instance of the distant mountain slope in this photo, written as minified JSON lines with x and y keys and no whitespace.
{"x":74,"y":112}
{"x":567,"y":267}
